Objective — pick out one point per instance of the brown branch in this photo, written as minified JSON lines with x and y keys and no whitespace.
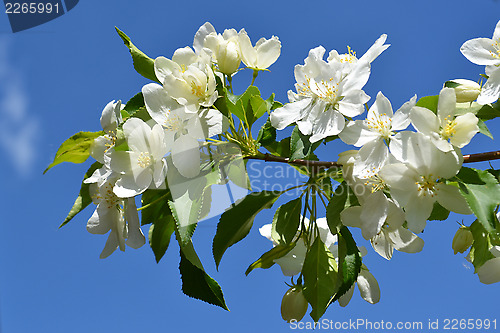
{"x":472,"y":158}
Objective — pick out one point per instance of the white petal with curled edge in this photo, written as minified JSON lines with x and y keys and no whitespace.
{"x":111,"y":245}
{"x":158,"y":103}
{"x":137,"y":133}
{"x":164,"y":67}
{"x":489,"y":272}
{"x":375,"y":50}
{"x":248,"y":53}
{"x":266,"y":230}
{"x":101,"y":220}
{"x":213,"y":122}
{"x":135,"y":238}
{"x":406,"y":241}
{"x":465,"y":129}
{"x":346,"y":298}
{"x":401,"y":118}
{"x":368,"y":287}
{"x":199,"y":37}
{"x":424,"y":120}
{"x":450,"y":198}
{"x":490,"y":92}
{"x":417,"y":211}
{"x":446,"y":104}
{"x":130,"y":185}
{"x":382,"y":245}
{"x":480,"y":51}
{"x":329,"y":123}
{"x":289,"y":113}
{"x":371,"y":158}
{"x":268,"y":51}
{"x":186,"y":156}
{"x":356,"y":133}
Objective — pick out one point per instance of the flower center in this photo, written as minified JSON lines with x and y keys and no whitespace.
{"x":382,"y":124}
{"x":496,"y":46}
{"x":106,"y":195}
{"x":349,"y":57}
{"x":144,"y":160}
{"x":448,"y":130}
{"x":427,"y":186}
{"x":197,"y":90}
{"x":173,"y":122}
{"x":376,"y":183}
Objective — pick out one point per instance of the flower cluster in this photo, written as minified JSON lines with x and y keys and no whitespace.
{"x":134,"y":152}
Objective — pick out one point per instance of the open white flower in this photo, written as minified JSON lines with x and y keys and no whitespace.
{"x":445,"y":129}
{"x":143,"y":165}
{"x":375,"y":132}
{"x":182,"y":129}
{"x":262,"y":55}
{"x":417,"y":182}
{"x":325,"y":95}
{"x":486,"y":51}
{"x":114,"y":214}
{"x":349,"y":59}
{"x":191,"y":84}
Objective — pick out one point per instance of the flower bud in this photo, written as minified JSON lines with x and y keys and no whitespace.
{"x":293,"y":305}
{"x":228,"y":56}
{"x":463,"y":240}
{"x":466,"y":90}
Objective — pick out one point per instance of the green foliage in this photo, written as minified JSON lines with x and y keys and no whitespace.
{"x":300,"y":146}
{"x":143,"y":64}
{"x":157,"y":212}
{"x":349,"y":262}
{"x":429,"y":102}
{"x":267,"y":134}
{"x":320,"y":278}
{"x":76,"y":149}
{"x":248,"y":106}
{"x":480,"y":249}
{"x":236,"y":222}
{"x":287,"y":220}
{"x":196,"y":282}
{"x":342,"y":197}
{"x":267,"y":259}
{"x":136,"y":107}
{"x":489,"y":111}
{"x":483,"y":129}
{"x":482,"y":192}
{"x":83,"y":199}
{"x":439,"y":213}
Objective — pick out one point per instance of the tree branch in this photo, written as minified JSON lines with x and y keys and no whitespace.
{"x":471,"y":158}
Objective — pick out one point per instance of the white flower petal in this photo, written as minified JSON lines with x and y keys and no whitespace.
{"x":186,"y":156}
{"x":368,"y":287}
{"x":289,"y":113}
{"x":450,"y":198}
{"x":329,"y":123}
{"x":479,"y":51}
{"x":135,"y":238}
{"x":489,"y":272}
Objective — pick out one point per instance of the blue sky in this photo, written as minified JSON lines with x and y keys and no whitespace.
{"x":56,"y":78}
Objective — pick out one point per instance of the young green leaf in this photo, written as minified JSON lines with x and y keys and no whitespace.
{"x":160,"y":233}
{"x":287,"y":220}
{"x":143,"y":64}
{"x":349,"y":262}
{"x":320,"y":278}
{"x":236,"y":222}
{"x":482,"y":192}
{"x":83,"y":199}
{"x":300,"y":146}
{"x":483,"y":129}
{"x":429,"y":102}
{"x":480,"y":249}
{"x":196,"y":282}
{"x":439,"y":213}
{"x":76,"y":149}
{"x":241,"y":106}
{"x":342,"y":197}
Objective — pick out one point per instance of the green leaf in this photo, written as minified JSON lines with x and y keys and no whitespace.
{"x":483,"y":129}
{"x":240,"y":105}
{"x":482,"y":192}
{"x":439,"y":213}
{"x":221,"y":102}
{"x":155,"y":205}
{"x":300,"y":146}
{"x":480,"y":249}
{"x":83,"y":199}
{"x":76,"y":149}
{"x":259,"y":106}
{"x":185,"y":231}
{"x":320,"y":278}
{"x":196,"y":282}
{"x":342,"y":197}
{"x":349,"y":262}
{"x":287,"y":220}
{"x":267,"y":135}
{"x":236,"y":222}
{"x":429,"y":102}
{"x":143,"y":64}
{"x":267,"y":259}
{"x":489,"y":111}
{"x":160,"y":233}
{"x":134,"y":105}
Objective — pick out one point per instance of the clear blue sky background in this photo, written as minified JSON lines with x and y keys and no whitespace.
{"x":56,"y":78}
